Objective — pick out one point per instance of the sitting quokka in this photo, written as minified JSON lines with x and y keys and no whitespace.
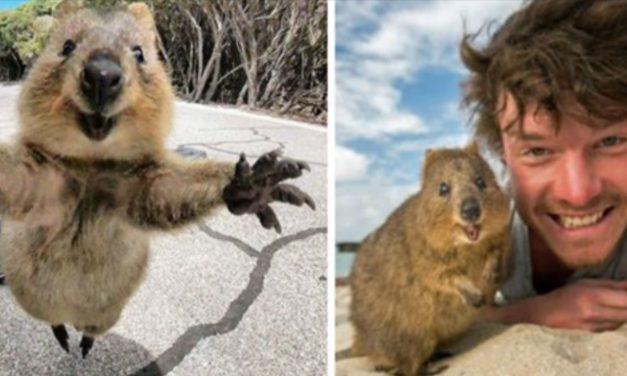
{"x":419,"y":279}
{"x":90,"y":178}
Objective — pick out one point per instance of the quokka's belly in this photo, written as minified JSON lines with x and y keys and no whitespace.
{"x":64,"y":279}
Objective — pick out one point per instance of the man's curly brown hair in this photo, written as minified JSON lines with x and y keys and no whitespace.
{"x":546,"y":51}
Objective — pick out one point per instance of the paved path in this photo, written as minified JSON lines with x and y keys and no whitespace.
{"x":223,"y":298}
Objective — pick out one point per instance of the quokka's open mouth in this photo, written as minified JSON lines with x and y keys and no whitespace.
{"x":472,"y":232}
{"x":95,"y":126}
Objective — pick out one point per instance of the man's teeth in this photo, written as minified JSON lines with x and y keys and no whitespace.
{"x":574,"y":222}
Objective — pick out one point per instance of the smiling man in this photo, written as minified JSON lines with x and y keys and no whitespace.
{"x":550,"y":96}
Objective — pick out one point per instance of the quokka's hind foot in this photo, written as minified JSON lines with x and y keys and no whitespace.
{"x":383,"y":364}
{"x":440,"y":355}
{"x":86,"y":344}
{"x":430,"y":369}
{"x":413,"y":368}
{"x":61,"y":335}
{"x":390,"y":370}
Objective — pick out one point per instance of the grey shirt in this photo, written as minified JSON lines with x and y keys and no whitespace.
{"x":520,"y":286}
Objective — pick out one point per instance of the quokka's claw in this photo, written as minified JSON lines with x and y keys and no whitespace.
{"x":473,"y":298}
{"x":303,"y":165}
{"x":61,"y":335}
{"x":291,"y":168}
{"x":86,"y":344}
{"x":266,"y":163}
{"x":242,"y":168}
{"x":274,"y":154}
{"x":292,"y":195}
{"x":268,"y":219}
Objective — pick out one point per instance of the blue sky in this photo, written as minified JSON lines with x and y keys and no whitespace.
{"x":11,"y":4}
{"x":398,"y":78}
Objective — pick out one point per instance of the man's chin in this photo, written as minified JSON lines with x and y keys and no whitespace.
{"x":583,"y":254}
{"x":582,"y":261}
{"x":585,"y":246}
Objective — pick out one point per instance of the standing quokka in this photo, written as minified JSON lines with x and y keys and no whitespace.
{"x":419,"y":279}
{"x":89,"y":177}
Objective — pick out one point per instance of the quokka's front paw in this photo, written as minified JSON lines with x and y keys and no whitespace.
{"x":470,"y":294}
{"x":252,"y":189}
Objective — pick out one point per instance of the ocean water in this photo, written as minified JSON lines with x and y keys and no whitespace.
{"x":343,"y":263}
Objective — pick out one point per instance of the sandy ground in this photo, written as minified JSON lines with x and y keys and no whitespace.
{"x":519,"y":350}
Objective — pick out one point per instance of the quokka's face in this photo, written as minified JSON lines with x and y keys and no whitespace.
{"x":464,"y":196}
{"x":98,"y":83}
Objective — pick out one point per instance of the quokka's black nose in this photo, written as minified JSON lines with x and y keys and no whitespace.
{"x":101,"y":80}
{"x":471,"y":211}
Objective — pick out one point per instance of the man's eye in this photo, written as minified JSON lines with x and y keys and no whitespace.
{"x":537,"y":152}
{"x":611,"y":141}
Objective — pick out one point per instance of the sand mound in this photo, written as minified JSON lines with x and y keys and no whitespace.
{"x":519,"y":350}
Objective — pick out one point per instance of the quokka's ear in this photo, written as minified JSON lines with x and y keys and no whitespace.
{"x":430,"y":158}
{"x":473,"y":147}
{"x":66,"y":8}
{"x":143,"y":15}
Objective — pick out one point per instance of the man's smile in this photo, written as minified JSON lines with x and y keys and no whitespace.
{"x":575,"y":221}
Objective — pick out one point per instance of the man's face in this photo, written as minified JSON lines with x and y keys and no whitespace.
{"x":570,"y":187}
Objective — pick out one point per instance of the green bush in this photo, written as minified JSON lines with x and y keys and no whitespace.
{"x":24,"y":31}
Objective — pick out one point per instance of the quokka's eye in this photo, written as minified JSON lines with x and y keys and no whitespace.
{"x":68,"y":47}
{"x":139,"y":54}
{"x":480,"y":183}
{"x":445,"y":189}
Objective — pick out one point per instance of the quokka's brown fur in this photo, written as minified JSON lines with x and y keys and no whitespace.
{"x":77,"y":213}
{"x":418,"y":280}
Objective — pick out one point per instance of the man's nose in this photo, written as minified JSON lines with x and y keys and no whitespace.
{"x":577,"y":182}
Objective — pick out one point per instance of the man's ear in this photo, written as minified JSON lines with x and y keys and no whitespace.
{"x":501,"y":156}
{"x":143,"y":15}
{"x":66,"y":8}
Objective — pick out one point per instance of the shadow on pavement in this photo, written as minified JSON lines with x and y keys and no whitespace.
{"x":28,"y":347}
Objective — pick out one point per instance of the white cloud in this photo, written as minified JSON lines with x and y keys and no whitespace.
{"x":362,"y":209}
{"x":431,"y":29}
{"x":368,"y":107}
{"x":389,"y":43}
{"x":349,"y":165}
{"x":419,"y":146}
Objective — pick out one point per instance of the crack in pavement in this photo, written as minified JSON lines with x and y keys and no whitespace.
{"x":173,"y":356}
{"x":256,"y":132}
{"x":208,"y":146}
{"x":271,"y":127}
{"x":237,"y":142}
{"x":250,"y":251}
